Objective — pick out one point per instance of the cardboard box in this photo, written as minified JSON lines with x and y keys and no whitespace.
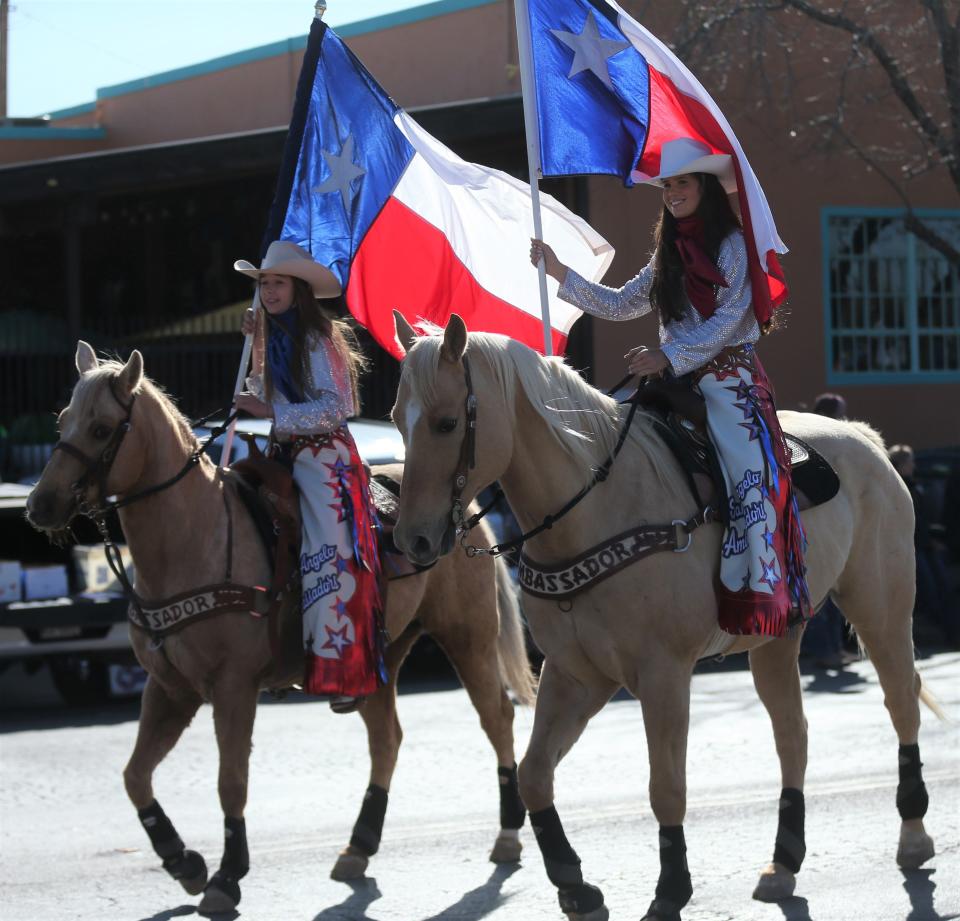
{"x":44,"y":582}
{"x":92,"y":570}
{"x":11,"y":578}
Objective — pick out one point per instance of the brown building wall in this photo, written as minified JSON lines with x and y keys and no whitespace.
{"x":429,"y":62}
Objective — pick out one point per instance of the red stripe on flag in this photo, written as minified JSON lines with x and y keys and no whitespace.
{"x":673,"y":115}
{"x":405,"y":263}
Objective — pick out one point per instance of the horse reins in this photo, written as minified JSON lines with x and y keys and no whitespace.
{"x":467,"y":462}
{"x":99,"y":469}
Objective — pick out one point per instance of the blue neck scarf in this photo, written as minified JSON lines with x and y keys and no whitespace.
{"x":284,"y":330}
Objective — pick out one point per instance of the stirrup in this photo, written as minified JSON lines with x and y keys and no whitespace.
{"x":345,"y":703}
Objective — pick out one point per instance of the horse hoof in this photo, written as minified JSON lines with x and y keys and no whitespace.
{"x":221,"y":895}
{"x":583,"y":902}
{"x":598,"y":914}
{"x":916,"y":847}
{"x":351,"y":864}
{"x":776,"y":883}
{"x":189,"y":869}
{"x":662,"y":910}
{"x":507,"y":847}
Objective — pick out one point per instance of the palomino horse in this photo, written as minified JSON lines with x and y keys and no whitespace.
{"x":133,"y":438}
{"x":538,"y":428}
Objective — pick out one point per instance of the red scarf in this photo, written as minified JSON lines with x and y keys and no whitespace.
{"x":700,"y":275}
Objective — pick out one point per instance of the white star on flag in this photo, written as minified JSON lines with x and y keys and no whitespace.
{"x":342,"y":172}
{"x":590,"y":51}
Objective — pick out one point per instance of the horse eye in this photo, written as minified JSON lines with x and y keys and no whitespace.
{"x":447,"y":425}
{"x":100,"y":432}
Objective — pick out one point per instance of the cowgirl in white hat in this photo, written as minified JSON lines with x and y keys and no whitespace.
{"x":699,"y":286}
{"x":305,"y":372}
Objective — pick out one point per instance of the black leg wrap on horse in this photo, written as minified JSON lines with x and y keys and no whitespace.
{"x":561,"y":860}
{"x":368,"y":828}
{"x":512,"y":811}
{"x":580,"y":900}
{"x":673,"y":887}
{"x":163,"y":836}
{"x":912,"y":799}
{"x":236,"y":858}
{"x":791,"y":846}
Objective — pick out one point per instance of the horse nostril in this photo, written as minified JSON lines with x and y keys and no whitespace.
{"x":421,"y":547}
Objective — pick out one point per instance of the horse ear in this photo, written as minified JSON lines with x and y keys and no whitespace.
{"x":406,"y":335}
{"x":454,"y":339}
{"x":86,"y":359}
{"x":129,"y":378}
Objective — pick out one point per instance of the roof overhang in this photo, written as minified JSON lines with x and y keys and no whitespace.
{"x":199,"y":160}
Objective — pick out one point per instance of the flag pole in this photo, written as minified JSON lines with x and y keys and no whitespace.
{"x":319,"y":8}
{"x":238,"y":385}
{"x":531,"y":128}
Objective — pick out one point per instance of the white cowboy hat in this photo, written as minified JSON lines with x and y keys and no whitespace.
{"x":284,"y":258}
{"x":685,"y":155}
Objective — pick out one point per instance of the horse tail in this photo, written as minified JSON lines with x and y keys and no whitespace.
{"x":515,"y":671}
{"x":931,"y":702}
{"x":870,"y":433}
{"x":926,"y":696}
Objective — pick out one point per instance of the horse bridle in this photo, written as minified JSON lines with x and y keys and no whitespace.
{"x":96,"y":470}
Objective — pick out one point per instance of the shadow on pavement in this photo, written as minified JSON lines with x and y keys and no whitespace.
{"x":920,"y":887}
{"x":19,"y":719}
{"x":479,"y":902}
{"x":795,"y":909}
{"x":835,"y":681}
{"x":181,"y":911}
{"x":354,"y":907}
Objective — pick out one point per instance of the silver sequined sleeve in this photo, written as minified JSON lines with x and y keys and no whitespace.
{"x":330,"y":395}
{"x":691,"y":342}
{"x":632,"y":300}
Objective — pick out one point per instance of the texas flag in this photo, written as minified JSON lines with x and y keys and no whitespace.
{"x":610,"y":94}
{"x":405,"y":224}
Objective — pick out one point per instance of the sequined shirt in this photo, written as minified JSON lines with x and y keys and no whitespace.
{"x":329,"y":395}
{"x":688,"y":343}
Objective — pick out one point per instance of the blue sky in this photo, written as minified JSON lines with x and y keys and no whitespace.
{"x":61,"y":51}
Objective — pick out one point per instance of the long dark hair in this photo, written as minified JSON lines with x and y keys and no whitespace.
{"x":315,"y":321}
{"x":667,"y":295}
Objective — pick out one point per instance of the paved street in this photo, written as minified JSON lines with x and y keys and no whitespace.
{"x":71,"y":848}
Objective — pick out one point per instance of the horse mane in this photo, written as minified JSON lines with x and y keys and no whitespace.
{"x":84,"y":397}
{"x":584,"y":421}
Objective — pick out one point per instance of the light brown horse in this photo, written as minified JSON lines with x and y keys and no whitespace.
{"x":540,"y":431}
{"x":133,"y":438}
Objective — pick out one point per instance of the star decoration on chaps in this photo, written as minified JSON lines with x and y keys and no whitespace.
{"x":341,"y":609}
{"x":770,"y":576}
{"x":768,"y":537}
{"x":342,"y":173}
{"x":341,"y":564}
{"x":727,"y":365}
{"x":338,"y":639}
{"x":590,"y":51}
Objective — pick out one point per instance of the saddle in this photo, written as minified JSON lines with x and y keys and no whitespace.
{"x":269,"y":493}
{"x":681,"y":415}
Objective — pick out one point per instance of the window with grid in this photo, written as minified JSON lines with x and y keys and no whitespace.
{"x":893,"y":302}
